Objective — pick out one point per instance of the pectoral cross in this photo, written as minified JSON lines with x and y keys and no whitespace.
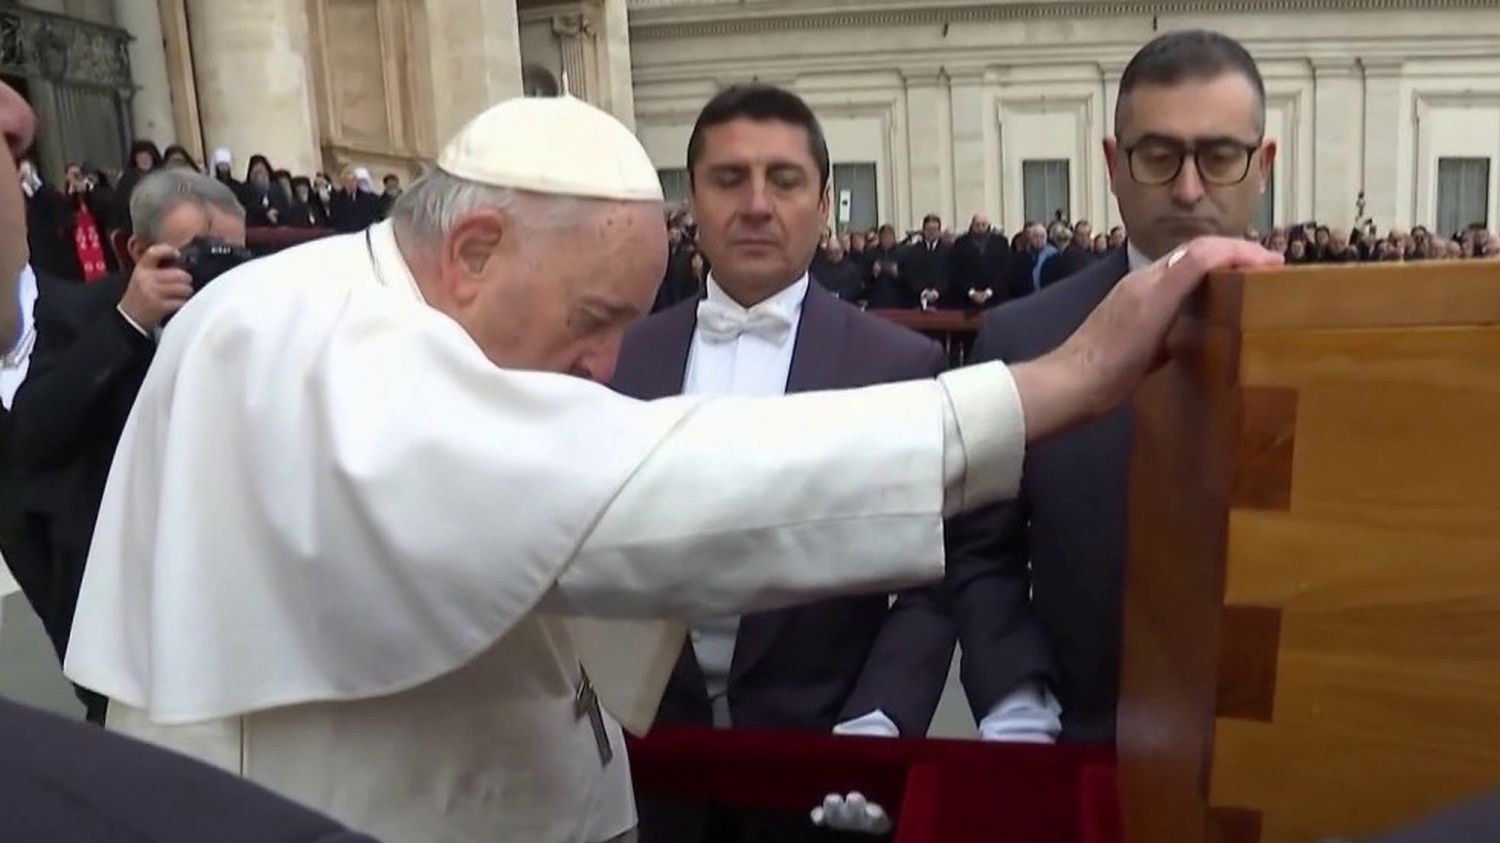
{"x":586,"y":704}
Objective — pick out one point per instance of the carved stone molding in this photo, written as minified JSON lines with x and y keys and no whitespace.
{"x":575,"y":39}
{"x":662,"y":19}
{"x":64,"y":49}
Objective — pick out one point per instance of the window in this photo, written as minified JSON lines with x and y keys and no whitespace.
{"x":1046,"y":190}
{"x":1463,"y":195}
{"x":1265,"y":217}
{"x":858,"y":210}
{"x":674,"y":184}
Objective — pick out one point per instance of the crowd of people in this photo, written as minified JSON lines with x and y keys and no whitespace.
{"x":75,"y":229}
{"x":981,"y":268}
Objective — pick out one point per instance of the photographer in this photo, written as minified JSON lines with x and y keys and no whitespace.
{"x":93,"y":346}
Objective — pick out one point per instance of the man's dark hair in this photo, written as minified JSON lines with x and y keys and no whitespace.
{"x":931,"y":218}
{"x":759,"y":102}
{"x":1191,"y":54}
{"x":391,"y":177}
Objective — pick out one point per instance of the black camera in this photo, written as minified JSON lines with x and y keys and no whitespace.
{"x":206,"y":258}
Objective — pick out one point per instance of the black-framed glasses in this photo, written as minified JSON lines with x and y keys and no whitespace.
{"x":1222,"y":163}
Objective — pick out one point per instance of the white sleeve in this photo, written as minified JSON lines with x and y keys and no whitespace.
{"x":810,"y":495}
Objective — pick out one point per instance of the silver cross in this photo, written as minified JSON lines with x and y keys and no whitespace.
{"x":586,"y":704}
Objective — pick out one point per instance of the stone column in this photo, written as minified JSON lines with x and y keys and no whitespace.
{"x":1109,"y":75}
{"x":969,"y":174}
{"x":616,"y":84}
{"x":1337,"y":140}
{"x":930,"y":133}
{"x":1382,"y":141}
{"x":255,"y":94}
{"x":474,"y":52}
{"x":151,"y":107}
{"x":575,"y":44}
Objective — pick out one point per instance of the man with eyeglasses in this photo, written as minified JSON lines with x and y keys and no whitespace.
{"x":1038,"y":580}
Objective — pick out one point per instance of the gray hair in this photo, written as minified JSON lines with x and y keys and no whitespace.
{"x":163,"y":190}
{"x":429,"y":208}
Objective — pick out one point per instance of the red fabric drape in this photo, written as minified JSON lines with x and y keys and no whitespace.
{"x":938,"y":791}
{"x":88,"y":244}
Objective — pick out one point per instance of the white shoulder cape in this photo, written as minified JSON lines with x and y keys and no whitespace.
{"x":326,"y":492}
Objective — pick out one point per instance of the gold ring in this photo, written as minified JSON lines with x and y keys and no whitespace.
{"x":1176,"y":256}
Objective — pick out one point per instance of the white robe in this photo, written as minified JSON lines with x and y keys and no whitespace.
{"x":344,"y":555}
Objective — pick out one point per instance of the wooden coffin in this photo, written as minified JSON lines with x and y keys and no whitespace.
{"x":1312,"y":610}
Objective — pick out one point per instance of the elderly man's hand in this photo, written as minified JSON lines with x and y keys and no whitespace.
{"x":1099,"y":367}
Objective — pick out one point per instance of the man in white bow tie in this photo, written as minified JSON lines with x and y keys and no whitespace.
{"x":862,"y":664}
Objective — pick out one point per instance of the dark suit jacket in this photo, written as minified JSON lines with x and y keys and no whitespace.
{"x":349,"y":214}
{"x":811,"y":667}
{"x":1037,"y":581}
{"x":845,"y":279}
{"x":887,"y":289}
{"x":981,"y":261}
{"x":1066,"y":264}
{"x":65,"y":782}
{"x":931,"y":268}
{"x":86,"y":368}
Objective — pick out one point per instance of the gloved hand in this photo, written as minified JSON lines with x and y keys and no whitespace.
{"x":851,"y":813}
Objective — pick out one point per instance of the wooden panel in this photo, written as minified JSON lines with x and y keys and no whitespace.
{"x":1375,"y":578}
{"x":1267,"y":441}
{"x":1180,"y":474}
{"x":1369,"y":296}
{"x":1249,"y":643}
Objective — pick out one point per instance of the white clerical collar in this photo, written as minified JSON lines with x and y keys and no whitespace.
{"x":391,"y":269}
{"x":789,"y":300}
{"x":1137,"y":259}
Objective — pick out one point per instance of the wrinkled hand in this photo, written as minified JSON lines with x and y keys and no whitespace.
{"x":157,"y":288}
{"x":929,"y":296}
{"x":1099,"y":367}
{"x":981,"y":296}
{"x":851,"y":813}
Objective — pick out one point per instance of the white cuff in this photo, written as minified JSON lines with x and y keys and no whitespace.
{"x":992,"y":432}
{"x":131,"y":322}
{"x":872,"y":725}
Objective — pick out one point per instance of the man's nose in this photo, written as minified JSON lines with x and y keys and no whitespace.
{"x":1187,"y":188}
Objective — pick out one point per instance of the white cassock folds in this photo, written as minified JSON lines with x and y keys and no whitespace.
{"x":343,"y":554}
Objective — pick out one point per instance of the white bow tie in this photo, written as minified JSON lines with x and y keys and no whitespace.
{"x":720,"y":323}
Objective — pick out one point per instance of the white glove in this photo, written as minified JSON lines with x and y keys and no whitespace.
{"x":1029,"y":715}
{"x":851,"y":813}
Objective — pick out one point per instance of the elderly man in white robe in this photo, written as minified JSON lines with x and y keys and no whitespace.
{"x":373,"y":527}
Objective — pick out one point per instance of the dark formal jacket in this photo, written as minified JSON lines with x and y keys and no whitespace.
{"x":86,"y":368}
{"x":1036,"y":582}
{"x":66,"y":782}
{"x":930,"y":267}
{"x":348,"y":214}
{"x":887,"y":289}
{"x":1065,"y":264}
{"x":679,"y":283}
{"x":981,"y":261}
{"x":845,"y":279}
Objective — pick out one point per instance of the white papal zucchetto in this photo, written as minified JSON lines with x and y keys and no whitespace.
{"x":559,"y":146}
